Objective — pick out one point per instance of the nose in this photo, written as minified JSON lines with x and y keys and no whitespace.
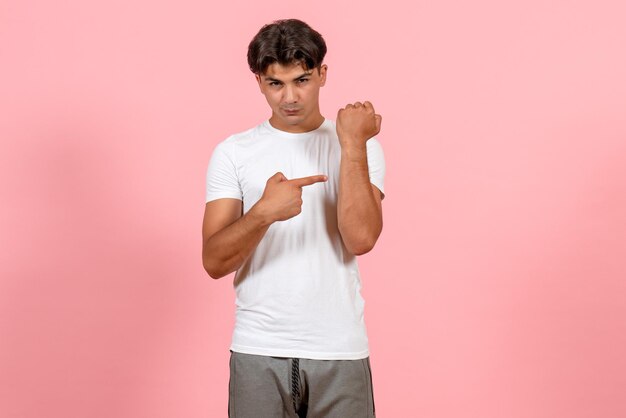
{"x":289,"y":94}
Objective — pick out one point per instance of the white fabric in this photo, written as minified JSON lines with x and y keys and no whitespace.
{"x":298,"y":294}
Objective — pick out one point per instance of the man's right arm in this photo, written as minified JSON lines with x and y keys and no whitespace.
{"x":228,"y":238}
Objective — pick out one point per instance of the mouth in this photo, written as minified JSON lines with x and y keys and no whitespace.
{"x":291,"y":111}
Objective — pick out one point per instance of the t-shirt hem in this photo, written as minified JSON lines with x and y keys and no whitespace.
{"x":222,"y":196}
{"x":312,"y":355}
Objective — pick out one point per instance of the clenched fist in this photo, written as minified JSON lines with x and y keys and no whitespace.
{"x":356,"y":123}
{"x":282,"y":198}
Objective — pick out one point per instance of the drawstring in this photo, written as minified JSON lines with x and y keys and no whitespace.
{"x":295,"y":382}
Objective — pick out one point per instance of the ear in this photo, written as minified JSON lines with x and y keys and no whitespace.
{"x":323,"y":69}
{"x":259,"y":81}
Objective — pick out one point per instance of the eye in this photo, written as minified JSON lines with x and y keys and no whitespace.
{"x":302,"y":80}
{"x":274,"y":83}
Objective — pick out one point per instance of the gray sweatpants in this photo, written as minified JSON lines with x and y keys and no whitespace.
{"x":276,"y":387}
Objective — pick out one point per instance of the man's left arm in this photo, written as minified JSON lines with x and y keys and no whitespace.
{"x":359,"y":208}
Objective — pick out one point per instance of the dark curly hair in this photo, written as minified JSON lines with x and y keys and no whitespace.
{"x":285,"y":42}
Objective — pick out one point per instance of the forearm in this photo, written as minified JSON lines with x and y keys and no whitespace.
{"x":226,"y":250}
{"x":359,"y":216}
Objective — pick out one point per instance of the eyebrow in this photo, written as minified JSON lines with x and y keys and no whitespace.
{"x":297,"y":78}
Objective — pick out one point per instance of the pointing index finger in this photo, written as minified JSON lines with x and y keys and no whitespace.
{"x":307,"y":181}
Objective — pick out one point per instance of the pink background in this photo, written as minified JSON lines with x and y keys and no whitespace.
{"x":497,"y":288}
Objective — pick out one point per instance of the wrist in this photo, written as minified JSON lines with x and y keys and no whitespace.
{"x":259,"y":215}
{"x":354,"y":152}
{"x":351,"y":140}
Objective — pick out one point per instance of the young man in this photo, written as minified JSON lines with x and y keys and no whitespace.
{"x":290,"y":203}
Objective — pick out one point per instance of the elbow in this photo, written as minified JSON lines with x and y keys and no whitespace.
{"x":211,"y":270}
{"x":212,"y":273}
{"x":212,"y":266}
{"x":361,"y":249}
{"x":362,"y":246}
{"x":360,"y":240}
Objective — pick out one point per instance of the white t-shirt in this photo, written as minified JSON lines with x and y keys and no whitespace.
{"x":298,"y":294}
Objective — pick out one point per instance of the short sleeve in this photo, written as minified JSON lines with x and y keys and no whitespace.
{"x":221,"y":176}
{"x":376,"y":164}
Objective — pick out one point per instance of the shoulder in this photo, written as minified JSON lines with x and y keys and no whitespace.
{"x":243,"y":135}
{"x":227,"y":145}
{"x":330,"y":125}
{"x":251,"y":132}
{"x":256,"y":130}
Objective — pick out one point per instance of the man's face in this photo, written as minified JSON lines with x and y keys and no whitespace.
{"x":293,"y":94}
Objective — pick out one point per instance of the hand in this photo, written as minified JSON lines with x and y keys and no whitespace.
{"x":282,"y":198}
{"x":356,"y":123}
